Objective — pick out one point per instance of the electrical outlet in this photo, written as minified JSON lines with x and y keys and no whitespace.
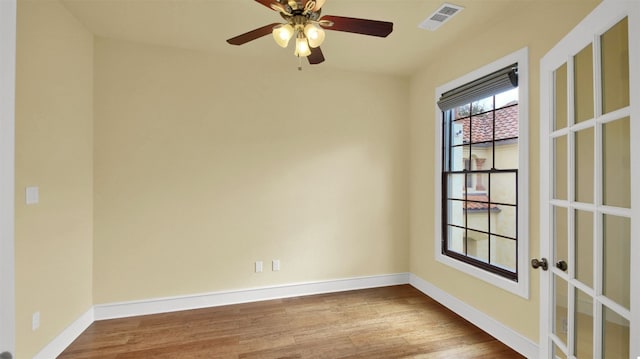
{"x":35,"y":321}
{"x":259,"y":267}
{"x":32,"y":195}
{"x":275,"y":265}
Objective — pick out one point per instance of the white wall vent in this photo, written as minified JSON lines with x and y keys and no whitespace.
{"x":440,"y":16}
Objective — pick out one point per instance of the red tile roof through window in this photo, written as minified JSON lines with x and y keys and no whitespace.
{"x":506,"y":123}
{"x":481,"y":205}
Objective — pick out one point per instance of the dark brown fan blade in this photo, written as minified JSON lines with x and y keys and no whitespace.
{"x":359,"y":26}
{"x":252,"y":35}
{"x":266,"y":3}
{"x":316,"y":56}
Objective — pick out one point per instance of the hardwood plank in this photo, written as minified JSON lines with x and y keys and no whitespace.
{"x":389,"y":322}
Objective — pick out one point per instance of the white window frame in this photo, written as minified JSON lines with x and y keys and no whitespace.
{"x":521,"y":287}
{"x":7,"y":173}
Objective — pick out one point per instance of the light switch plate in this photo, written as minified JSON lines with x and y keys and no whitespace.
{"x":32,"y":195}
{"x":35,"y":321}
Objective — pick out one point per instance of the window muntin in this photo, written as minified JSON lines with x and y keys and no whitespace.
{"x":480,"y":183}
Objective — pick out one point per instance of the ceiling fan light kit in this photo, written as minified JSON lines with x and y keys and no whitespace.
{"x":314,"y":33}
{"x":304,"y":22}
{"x":282,"y":34}
{"x":302,"y":46}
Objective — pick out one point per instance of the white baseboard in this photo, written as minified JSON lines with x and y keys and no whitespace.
{"x":64,"y":339}
{"x":206,"y":300}
{"x":495,"y":328}
{"x":164,"y":305}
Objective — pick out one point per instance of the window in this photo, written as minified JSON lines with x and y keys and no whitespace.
{"x":483,"y":181}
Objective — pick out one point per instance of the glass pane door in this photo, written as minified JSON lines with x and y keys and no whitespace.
{"x":589,"y":288}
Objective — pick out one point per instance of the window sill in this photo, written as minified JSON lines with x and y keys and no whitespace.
{"x":519,"y":288}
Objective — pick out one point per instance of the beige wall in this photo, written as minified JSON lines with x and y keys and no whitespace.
{"x":54,"y":151}
{"x":205,"y":164}
{"x":463,"y":57}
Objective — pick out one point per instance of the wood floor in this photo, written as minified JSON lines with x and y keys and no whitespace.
{"x":390,"y":322}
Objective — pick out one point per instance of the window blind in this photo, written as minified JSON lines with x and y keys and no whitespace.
{"x":494,"y":83}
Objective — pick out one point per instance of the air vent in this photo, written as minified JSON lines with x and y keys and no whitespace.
{"x":440,"y":16}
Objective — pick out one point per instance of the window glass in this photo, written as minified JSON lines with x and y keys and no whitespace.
{"x":480,"y":194}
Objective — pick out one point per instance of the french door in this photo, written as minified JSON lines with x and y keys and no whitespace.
{"x":7,"y":105}
{"x":590,"y":197}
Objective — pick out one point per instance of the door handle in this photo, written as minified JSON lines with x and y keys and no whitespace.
{"x":540,"y":263}
{"x":6,"y":355}
{"x":562,"y":265}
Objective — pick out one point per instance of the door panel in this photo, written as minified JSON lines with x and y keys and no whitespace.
{"x":560,"y":100}
{"x":616,"y":175}
{"x":590,"y":296}
{"x":584,"y":165}
{"x":617,"y":256}
{"x":561,"y":323}
{"x":561,"y":169}
{"x":583,"y":242}
{"x":616,"y":335}
{"x":583,"y":84}
{"x":614,"y":45}
{"x":584,"y":323}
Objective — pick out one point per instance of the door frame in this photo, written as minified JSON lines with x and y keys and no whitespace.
{"x":8,"y":10}
{"x":605,"y":15}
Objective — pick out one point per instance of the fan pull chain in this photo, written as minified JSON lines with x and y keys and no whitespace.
{"x":299,"y":63}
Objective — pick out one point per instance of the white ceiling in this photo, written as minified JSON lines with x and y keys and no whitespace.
{"x":204,"y":25}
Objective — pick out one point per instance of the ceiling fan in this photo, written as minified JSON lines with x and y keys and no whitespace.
{"x":304,"y":22}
